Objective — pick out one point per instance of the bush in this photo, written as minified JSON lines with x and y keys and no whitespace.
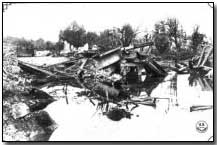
{"x":162,"y":42}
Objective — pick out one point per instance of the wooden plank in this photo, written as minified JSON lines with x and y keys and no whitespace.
{"x":200,"y":107}
{"x":155,"y":70}
{"x":82,"y":66}
{"x":107,"y":60}
{"x":35,"y":68}
{"x":158,"y":66}
{"x":201,"y":57}
{"x":207,"y":56}
{"x":110,"y":51}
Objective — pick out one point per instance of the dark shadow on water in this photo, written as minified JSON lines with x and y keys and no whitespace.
{"x":147,"y":86}
{"x":114,"y":101}
{"x":205,"y":83}
{"x":116,"y":114}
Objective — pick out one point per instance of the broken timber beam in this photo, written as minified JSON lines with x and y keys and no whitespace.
{"x":204,"y":55}
{"x":200,"y":107}
{"x":158,"y":66}
{"x":207,"y":56}
{"x":153,"y":68}
{"x":33,"y":68}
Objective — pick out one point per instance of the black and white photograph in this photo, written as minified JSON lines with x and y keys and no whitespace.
{"x":107,"y":71}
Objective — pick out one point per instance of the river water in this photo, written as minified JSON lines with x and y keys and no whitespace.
{"x":181,"y":101}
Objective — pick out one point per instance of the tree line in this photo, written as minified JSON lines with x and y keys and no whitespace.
{"x":166,"y":34}
{"x":39,"y":45}
{"x":77,"y":37}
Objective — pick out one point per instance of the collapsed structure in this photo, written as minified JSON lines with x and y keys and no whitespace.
{"x":109,"y":74}
{"x":106,"y":74}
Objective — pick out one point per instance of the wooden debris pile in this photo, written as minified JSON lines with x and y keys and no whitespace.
{"x":198,"y":65}
{"x":106,"y":75}
{"x":203,"y":66}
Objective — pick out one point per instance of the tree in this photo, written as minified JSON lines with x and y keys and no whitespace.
{"x":75,"y":35}
{"x":159,"y":27}
{"x":91,"y":39}
{"x":39,"y":44}
{"x":162,"y":42}
{"x":127,"y":35}
{"x":24,"y":44}
{"x":67,"y":36}
{"x":50,"y":46}
{"x":174,"y":31}
{"x":109,"y":39}
{"x":59,"y":46}
{"x":196,"y":39}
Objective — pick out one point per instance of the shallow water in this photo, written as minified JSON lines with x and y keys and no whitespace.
{"x":180,"y":103}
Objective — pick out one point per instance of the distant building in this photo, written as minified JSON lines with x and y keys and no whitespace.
{"x":66,"y":48}
{"x":84,"y":48}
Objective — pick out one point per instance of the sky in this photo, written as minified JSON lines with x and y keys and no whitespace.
{"x":34,"y":21}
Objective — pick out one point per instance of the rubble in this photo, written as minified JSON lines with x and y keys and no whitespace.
{"x":106,"y":75}
{"x":199,"y":65}
{"x":19,"y":122}
{"x":114,"y":78}
{"x":19,"y":110}
{"x":113,"y":60}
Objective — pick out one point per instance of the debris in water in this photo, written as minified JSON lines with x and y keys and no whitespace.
{"x":117,"y":114}
{"x":200,"y":108}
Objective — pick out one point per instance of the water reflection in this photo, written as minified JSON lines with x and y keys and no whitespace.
{"x":145,"y":87}
{"x":152,"y":106}
{"x":120,"y":99}
{"x":205,"y":83}
{"x":174,"y":91}
{"x":116,"y":114}
{"x":191,"y":93}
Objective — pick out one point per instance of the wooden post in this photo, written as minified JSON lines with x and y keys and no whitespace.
{"x":201,"y":57}
{"x":65,"y":90}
